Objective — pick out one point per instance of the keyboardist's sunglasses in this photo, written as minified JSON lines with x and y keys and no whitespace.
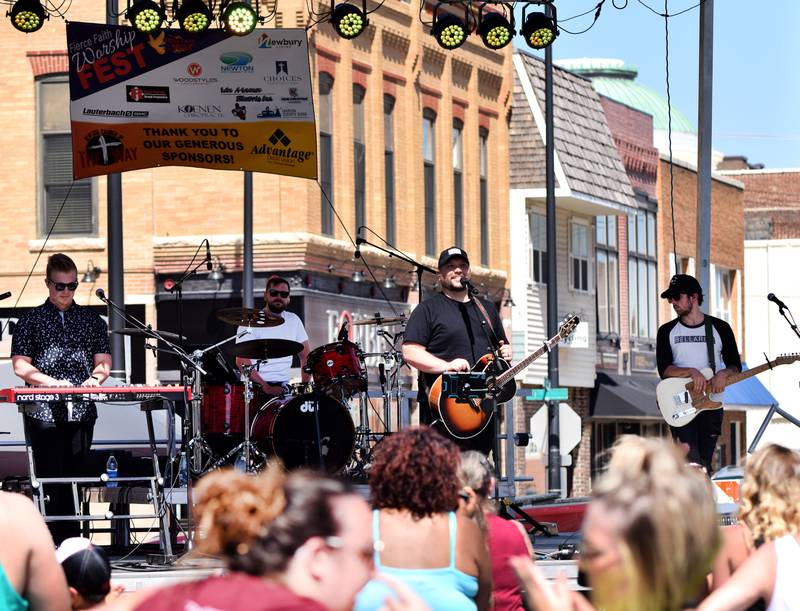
{"x":60,"y":286}
{"x":274,"y":293}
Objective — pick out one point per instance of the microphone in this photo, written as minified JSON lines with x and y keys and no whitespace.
{"x":359,"y":242}
{"x":208,"y":256}
{"x":101,"y":294}
{"x":382,"y":374}
{"x":469,"y":286}
{"x":781,"y":306}
{"x":5,"y":295}
{"x":343,"y":332}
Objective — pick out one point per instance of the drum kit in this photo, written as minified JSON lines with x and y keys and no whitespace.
{"x":309,"y":424}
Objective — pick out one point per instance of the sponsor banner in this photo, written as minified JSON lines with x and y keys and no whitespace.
{"x":277,"y":147}
{"x":211,"y":101}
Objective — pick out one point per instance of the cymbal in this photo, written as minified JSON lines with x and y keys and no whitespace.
{"x":133,"y":332}
{"x":248,"y":317}
{"x":265,"y":348}
{"x":379,"y":320}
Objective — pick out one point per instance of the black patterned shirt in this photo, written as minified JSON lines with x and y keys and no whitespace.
{"x":62,"y":347}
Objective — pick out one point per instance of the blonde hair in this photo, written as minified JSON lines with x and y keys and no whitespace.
{"x":475,"y":471}
{"x":667,"y":523}
{"x":771,"y":493}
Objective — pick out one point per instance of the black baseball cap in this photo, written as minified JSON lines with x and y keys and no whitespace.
{"x":682,"y":284}
{"x":449,"y":253}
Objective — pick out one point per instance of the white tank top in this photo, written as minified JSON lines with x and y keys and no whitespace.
{"x":786,"y":593}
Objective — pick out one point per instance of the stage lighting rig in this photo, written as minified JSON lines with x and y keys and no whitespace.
{"x":146,"y":15}
{"x":449,"y":30}
{"x":495,"y":29}
{"x":27,"y":15}
{"x":238,"y":18}
{"x":194,"y":16}
{"x":538,"y":29}
{"x":348,"y":20}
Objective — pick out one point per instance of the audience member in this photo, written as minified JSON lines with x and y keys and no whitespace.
{"x":301,"y":542}
{"x":505,"y":538}
{"x":440,"y":555}
{"x":649,"y":537}
{"x":88,"y":573}
{"x":30,"y":577}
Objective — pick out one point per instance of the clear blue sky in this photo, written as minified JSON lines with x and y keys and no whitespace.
{"x":756,"y":99}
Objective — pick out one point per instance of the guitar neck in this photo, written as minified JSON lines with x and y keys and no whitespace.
{"x":510,"y":373}
{"x":743,"y":375}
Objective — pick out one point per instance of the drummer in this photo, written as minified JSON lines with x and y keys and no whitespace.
{"x":274,"y":375}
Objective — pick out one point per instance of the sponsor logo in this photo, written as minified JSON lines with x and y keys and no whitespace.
{"x":269,"y":113}
{"x":282,"y":74}
{"x":240,"y":90}
{"x":280,"y":151}
{"x":293,"y":97}
{"x":293,"y":113}
{"x":194,"y":69}
{"x":265,"y":41}
{"x":236,"y":61}
{"x":201,"y":111}
{"x":105,"y":147}
{"x":148,"y":94}
{"x":239,"y":111}
{"x":254,"y":98}
{"x":107,"y":112}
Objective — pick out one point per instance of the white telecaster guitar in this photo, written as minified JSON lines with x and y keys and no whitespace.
{"x":680,"y":404}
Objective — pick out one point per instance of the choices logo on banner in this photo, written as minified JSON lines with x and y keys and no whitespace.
{"x":281,"y":74}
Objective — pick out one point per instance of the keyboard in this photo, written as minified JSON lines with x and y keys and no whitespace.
{"x":100,"y":394}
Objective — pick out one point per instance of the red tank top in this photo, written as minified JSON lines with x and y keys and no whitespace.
{"x":229,"y":592}
{"x":505,"y":541}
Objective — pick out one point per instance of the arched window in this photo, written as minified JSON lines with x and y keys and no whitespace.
{"x":388,"y":165}
{"x":326,"y":151}
{"x":429,"y":170}
{"x":359,"y":157}
{"x":458,"y":180}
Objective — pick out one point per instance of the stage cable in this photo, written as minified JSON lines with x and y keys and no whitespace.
{"x":38,"y":256}
{"x":669,"y":140}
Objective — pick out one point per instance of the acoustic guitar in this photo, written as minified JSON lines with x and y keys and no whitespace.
{"x":680,"y":403}
{"x":468,"y":418}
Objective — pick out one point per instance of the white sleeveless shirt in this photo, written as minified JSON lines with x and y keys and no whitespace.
{"x":786,"y":593}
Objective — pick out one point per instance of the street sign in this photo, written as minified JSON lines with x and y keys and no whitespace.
{"x":548,"y":394}
{"x":569,"y":431}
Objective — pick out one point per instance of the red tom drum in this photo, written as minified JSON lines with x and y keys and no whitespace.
{"x":222,"y":409}
{"x":338,"y":369}
{"x":286,"y":427}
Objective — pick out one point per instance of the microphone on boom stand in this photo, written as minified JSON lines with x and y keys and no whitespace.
{"x":469,"y":286}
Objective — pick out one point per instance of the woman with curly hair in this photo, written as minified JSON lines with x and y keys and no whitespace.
{"x":441,"y":556}
{"x":767,"y":512}
{"x":296,"y":542}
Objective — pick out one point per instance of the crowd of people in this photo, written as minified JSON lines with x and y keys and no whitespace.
{"x":431,"y":540}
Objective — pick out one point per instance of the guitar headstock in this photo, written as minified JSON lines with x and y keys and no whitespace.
{"x":786,"y":359}
{"x":568,"y":326}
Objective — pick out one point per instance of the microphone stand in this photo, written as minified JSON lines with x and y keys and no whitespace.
{"x":419,"y":268}
{"x":773,"y":409}
{"x":177,"y":288}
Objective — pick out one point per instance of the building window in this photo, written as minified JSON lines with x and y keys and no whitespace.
{"x":359,"y":157}
{"x":65,"y":205}
{"x":579,"y":257}
{"x":429,"y":170}
{"x":642,"y":289}
{"x":388,"y":165}
{"x":458,"y":181}
{"x":537,"y":245}
{"x":326,"y":151}
{"x":607,"y":276}
{"x":723,"y":293}
{"x":483,"y":161}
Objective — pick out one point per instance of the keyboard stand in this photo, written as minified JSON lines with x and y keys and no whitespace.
{"x":151,"y":492}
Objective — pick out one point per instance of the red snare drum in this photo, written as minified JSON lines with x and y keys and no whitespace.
{"x":338,"y":369}
{"x":222,"y":409}
{"x":286,"y":427}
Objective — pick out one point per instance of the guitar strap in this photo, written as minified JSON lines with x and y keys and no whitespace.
{"x":493,"y":338}
{"x":710,"y":345}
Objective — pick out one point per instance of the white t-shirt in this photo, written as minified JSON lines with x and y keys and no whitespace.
{"x":276,"y":370}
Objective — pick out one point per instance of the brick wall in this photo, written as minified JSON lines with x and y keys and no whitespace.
{"x":771,"y":203}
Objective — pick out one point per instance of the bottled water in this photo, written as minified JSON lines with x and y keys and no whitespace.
{"x":183,"y":471}
{"x":240,"y":464}
{"x":111,"y":471}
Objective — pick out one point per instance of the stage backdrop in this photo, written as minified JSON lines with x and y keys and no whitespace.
{"x":211,"y":101}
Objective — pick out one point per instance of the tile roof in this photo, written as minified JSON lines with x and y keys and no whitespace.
{"x":583,"y":142}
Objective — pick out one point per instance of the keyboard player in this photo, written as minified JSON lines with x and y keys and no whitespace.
{"x":61,"y":343}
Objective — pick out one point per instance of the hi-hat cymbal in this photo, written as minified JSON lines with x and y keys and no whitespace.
{"x":379,"y":320}
{"x":150,"y":333}
{"x":248,"y":317}
{"x":265,"y":348}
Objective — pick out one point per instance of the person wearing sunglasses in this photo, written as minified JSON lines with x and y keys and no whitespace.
{"x":61,"y":343}
{"x":273,"y":375}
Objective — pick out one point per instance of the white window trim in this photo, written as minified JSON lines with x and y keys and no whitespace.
{"x":543,"y":214}
{"x":589,"y":258}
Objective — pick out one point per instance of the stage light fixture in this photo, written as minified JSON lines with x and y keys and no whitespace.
{"x":145,"y":16}
{"x":194,"y":16}
{"x":348,"y":20}
{"x":539,"y":30}
{"x":449,"y":31}
{"x":91,"y":274}
{"x":495,"y":30}
{"x":239,"y":18}
{"x":27,"y":15}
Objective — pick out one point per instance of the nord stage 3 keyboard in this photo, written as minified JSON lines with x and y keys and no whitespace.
{"x":97,"y":393}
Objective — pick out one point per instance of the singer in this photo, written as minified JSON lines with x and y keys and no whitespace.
{"x":61,"y":343}
{"x":448,"y":333}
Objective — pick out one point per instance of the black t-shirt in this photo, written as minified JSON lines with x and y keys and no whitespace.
{"x":451,"y":329}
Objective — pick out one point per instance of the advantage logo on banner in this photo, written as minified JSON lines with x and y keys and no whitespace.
{"x":210,"y":101}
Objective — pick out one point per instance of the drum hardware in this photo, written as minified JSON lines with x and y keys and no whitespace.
{"x":264,"y":349}
{"x":149,"y":333}
{"x":248,"y":317}
{"x":377,"y":319}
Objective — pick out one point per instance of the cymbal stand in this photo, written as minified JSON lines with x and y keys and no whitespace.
{"x":247,"y":448}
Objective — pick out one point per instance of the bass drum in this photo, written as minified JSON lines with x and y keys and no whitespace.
{"x":286,"y":427}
